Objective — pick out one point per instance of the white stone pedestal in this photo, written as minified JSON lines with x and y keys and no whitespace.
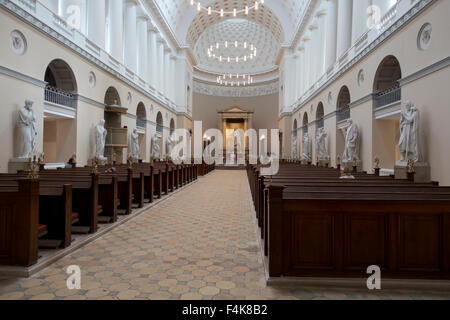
{"x":18,"y":164}
{"x":421,"y":169}
{"x":350,"y":164}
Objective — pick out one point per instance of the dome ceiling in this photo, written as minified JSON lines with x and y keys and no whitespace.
{"x":273,"y":25}
{"x":239,"y":30}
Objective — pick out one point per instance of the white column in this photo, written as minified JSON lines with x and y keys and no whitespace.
{"x":153,"y":56}
{"x":300,"y":70}
{"x":321,"y":43}
{"x":167,"y":79}
{"x":344,"y":27}
{"x":160,"y":75}
{"x":96,"y":20}
{"x":129,"y":37}
{"x":307,"y":72}
{"x":360,"y":18}
{"x":331,"y":33}
{"x":142,"y":58}
{"x":313,"y":52}
{"x":115,"y":29}
{"x":172,"y":77}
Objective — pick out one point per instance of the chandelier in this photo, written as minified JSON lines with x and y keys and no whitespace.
{"x":234,"y":80}
{"x":227,"y":58}
{"x":222,"y":13}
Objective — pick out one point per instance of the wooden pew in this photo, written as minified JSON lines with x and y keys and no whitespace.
{"x":19,"y":222}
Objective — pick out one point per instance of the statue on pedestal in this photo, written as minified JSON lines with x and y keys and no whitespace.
{"x":306,"y":155}
{"x":156,"y":148}
{"x":294,"y":146}
{"x":409,"y":130}
{"x":237,"y":140}
{"x":322,"y":152}
{"x":100,"y":140}
{"x":169,"y":145}
{"x":351,"y":143}
{"x":27,"y":131}
{"x":134,"y":145}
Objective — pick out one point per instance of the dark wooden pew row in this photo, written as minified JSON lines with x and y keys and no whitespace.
{"x":106,"y":194}
{"x":339,"y":229}
{"x":33,"y":210}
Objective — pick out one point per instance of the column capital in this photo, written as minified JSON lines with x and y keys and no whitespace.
{"x":152,"y":27}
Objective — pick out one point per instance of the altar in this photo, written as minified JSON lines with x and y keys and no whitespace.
{"x":234,"y":122}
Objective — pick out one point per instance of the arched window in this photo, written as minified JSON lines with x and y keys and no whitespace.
{"x":343,"y":101}
{"x":159,"y":123}
{"x":320,"y":114}
{"x":386,"y":87}
{"x":61,"y":84}
{"x":141,"y":116}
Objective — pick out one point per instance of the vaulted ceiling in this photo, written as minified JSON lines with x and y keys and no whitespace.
{"x":274,"y":25}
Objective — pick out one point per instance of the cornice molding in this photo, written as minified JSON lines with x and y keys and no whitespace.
{"x":251,"y":91}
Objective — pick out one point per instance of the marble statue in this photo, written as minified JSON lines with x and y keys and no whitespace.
{"x":351,"y":142}
{"x":134,"y":145}
{"x":306,"y":155}
{"x":27,"y":131}
{"x":100,"y":140}
{"x":409,"y":125}
{"x":321,"y":146}
{"x":156,"y":148}
{"x":294,"y":146}
{"x":237,"y":140}
{"x":170,"y":144}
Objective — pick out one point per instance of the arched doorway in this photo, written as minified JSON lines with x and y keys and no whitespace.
{"x":387,"y":110}
{"x":295,"y":140}
{"x":343,"y":101}
{"x":172,"y":126}
{"x":305,"y":125}
{"x":320,"y":116}
{"x":141,"y":126}
{"x":60,"y":123}
{"x":342,"y":114}
{"x":160,"y":131}
{"x":386,"y":87}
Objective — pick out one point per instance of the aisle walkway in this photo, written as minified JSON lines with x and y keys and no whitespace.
{"x":199,"y":244}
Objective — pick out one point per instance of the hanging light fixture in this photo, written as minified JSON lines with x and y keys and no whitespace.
{"x":235,"y":80}
{"x":251,"y":52}
{"x":222,"y":12}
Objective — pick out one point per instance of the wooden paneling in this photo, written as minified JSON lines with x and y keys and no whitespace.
{"x":419,"y":242}
{"x":6,"y":235}
{"x":364,"y":240}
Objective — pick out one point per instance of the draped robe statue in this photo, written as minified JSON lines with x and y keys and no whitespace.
{"x":351,"y":143}
{"x":321,"y":145}
{"x":27,"y":131}
{"x":170,"y":145}
{"x":306,"y":148}
{"x":100,"y":140}
{"x":134,"y":145}
{"x":294,"y":146}
{"x":237,"y":140}
{"x":156,"y":148}
{"x":409,"y":125}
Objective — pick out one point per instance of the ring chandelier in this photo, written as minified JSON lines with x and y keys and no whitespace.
{"x":221,"y":12}
{"x":252,"y":49}
{"x":232,"y":80}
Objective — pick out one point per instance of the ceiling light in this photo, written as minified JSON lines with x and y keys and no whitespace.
{"x":221,"y":12}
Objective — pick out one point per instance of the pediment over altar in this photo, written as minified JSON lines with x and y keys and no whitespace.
{"x":236,"y":110}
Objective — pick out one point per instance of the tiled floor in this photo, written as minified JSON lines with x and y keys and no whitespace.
{"x":199,"y":244}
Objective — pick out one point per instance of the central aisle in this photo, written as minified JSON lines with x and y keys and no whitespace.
{"x":201,"y":243}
